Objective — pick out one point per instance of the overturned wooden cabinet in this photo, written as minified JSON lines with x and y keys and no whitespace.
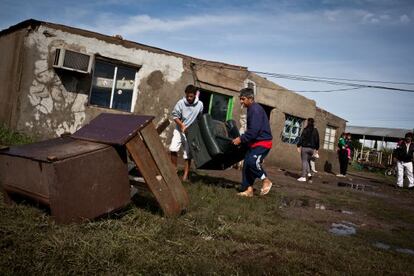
{"x":138,"y":134}
{"x":78,"y":180}
{"x":85,"y":176}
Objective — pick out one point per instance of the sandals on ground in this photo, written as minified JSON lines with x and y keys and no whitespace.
{"x":266,"y":190}
{"x":245,"y":194}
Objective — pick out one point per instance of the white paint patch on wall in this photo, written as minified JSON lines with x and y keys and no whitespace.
{"x":163,"y":135}
{"x":47,"y":93}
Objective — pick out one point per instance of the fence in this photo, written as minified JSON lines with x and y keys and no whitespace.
{"x":374,"y":157}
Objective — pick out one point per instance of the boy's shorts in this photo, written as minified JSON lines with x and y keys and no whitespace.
{"x":177,"y":140}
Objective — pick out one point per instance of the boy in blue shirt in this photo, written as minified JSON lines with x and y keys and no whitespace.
{"x":258,"y":138}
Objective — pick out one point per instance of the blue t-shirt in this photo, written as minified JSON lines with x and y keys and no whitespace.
{"x":258,"y":127}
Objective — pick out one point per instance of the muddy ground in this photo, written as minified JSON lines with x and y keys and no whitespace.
{"x":366,"y":201}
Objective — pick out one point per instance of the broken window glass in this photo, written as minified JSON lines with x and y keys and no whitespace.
{"x":102,"y":84}
{"x":124,"y":88}
{"x":112,"y":86}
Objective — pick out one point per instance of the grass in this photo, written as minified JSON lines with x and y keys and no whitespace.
{"x":220,"y":234}
{"x":9,"y":137}
{"x":280,"y":234}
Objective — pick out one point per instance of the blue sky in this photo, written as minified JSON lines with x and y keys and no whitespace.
{"x":351,"y":39}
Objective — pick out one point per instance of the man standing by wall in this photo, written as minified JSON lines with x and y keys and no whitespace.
{"x":258,"y":138}
{"x":404,"y":158}
{"x":184,"y":114}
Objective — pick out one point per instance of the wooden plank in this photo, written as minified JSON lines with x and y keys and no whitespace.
{"x":155,"y":182}
{"x":164,"y":164}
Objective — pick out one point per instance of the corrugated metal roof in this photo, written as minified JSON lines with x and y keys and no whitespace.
{"x":377,"y":131}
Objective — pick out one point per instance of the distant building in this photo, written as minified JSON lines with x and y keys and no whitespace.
{"x":57,"y":78}
{"x":380,"y":136}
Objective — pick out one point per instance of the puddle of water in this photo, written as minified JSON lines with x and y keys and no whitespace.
{"x":388,"y":247}
{"x":405,"y":250}
{"x":355,"y":186}
{"x":347,"y":212}
{"x":382,"y":245}
{"x":340,"y":229}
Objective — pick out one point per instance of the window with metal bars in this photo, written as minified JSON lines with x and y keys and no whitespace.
{"x":292,"y":129}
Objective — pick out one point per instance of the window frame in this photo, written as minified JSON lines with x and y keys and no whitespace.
{"x":331,"y":142}
{"x":116,"y":63}
{"x":230,"y":103}
{"x":288,"y":140}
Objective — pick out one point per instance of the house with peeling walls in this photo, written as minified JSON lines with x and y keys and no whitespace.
{"x":57,"y":78}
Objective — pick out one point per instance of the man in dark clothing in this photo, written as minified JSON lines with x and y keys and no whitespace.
{"x":308,"y":146}
{"x":404,"y":158}
{"x":258,"y":138}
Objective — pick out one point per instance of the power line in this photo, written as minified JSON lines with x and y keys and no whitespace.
{"x":324,"y":80}
{"x":327,"y":91}
{"x":327,"y":80}
{"x":341,"y":79}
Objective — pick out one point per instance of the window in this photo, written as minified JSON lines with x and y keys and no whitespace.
{"x":219,"y":106}
{"x":112,"y":85}
{"x":292,"y":129}
{"x":329,"y":142}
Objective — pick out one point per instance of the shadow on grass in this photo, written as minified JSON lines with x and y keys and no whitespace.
{"x":214,"y":181}
{"x":30,"y":202}
{"x":144,"y":199}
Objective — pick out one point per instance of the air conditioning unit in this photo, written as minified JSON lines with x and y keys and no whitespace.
{"x":73,"y":61}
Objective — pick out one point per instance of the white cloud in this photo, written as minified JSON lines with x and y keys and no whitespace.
{"x":405,"y":19}
{"x":140,"y":24}
{"x":332,"y":15}
{"x":367,"y":17}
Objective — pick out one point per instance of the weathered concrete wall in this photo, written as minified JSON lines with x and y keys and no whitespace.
{"x":328,"y":159}
{"x":57,"y":103}
{"x":227,"y":81}
{"x":11,"y":47}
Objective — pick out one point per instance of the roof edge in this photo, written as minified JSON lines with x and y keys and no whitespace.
{"x":21,"y":25}
{"x":324,"y":110}
{"x":112,"y":39}
{"x":379,"y":128}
